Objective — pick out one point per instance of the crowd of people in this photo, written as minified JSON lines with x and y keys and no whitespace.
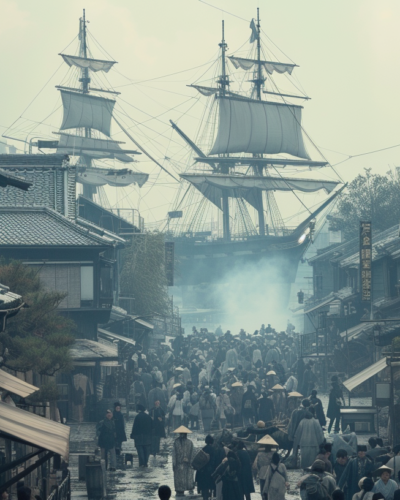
{"x":256,"y":390}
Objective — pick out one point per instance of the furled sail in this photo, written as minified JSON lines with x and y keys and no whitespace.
{"x":92,"y":64}
{"x":95,"y":148}
{"x":207,"y":91}
{"x":248,"y":187}
{"x":269,"y":66}
{"x":84,"y":110}
{"x":258,"y":127}
{"x":94,"y":176}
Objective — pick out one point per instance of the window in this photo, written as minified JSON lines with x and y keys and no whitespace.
{"x":63,"y":278}
{"x":87,"y":288}
{"x":318,"y":283}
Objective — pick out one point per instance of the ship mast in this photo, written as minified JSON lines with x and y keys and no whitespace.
{"x":258,"y":169}
{"x":88,"y":191}
{"x":224,"y":83}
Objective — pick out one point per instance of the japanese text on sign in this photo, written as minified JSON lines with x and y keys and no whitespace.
{"x":365,"y":260}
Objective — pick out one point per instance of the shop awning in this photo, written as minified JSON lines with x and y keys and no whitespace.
{"x":142,"y":322}
{"x":16,"y":385}
{"x":355,"y":332}
{"x":34,"y":430}
{"x":83,"y":350}
{"x":115,"y":336}
{"x":366,"y":374}
{"x":318,"y":305}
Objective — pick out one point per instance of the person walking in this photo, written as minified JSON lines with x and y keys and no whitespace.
{"x":262,"y":462}
{"x":249,"y":406}
{"x":308,"y":437}
{"x":182,"y":456}
{"x":366,"y":485}
{"x":119,"y":427}
{"x":106,"y":439}
{"x":207,"y":408}
{"x":319,"y":409}
{"x":228,"y":472}
{"x":356,"y":469}
{"x":276,"y":481}
{"x":385,"y":485}
{"x":205,"y":483}
{"x":336,"y":401}
{"x":158,"y":416}
{"x":245,"y":475}
{"x":142,"y":432}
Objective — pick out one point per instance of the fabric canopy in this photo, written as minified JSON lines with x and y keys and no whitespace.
{"x":92,"y":64}
{"x":366,"y":374}
{"x":16,"y":385}
{"x":269,"y":66}
{"x":115,"y":336}
{"x":213,"y":185}
{"x":83,"y":110}
{"x":96,"y":148}
{"x":35,"y":430}
{"x":112,"y":177}
{"x":258,"y":127}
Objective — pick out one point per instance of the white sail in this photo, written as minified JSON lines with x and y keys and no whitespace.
{"x":213,"y":185}
{"x":269,"y":66}
{"x":95,"y":148}
{"x":258,"y":127}
{"x":92,"y":64}
{"x":83,"y":110}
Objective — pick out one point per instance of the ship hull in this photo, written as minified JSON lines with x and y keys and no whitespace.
{"x":214,"y":262}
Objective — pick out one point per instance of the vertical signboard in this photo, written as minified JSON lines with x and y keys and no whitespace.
{"x":169,"y":262}
{"x":366,"y":260}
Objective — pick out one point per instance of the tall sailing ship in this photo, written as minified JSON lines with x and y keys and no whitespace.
{"x":85,"y":131}
{"x":255,"y":136}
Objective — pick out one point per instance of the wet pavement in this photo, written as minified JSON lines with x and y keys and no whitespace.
{"x":131,"y":482}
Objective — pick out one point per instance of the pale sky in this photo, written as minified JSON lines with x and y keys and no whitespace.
{"x":348,"y":53}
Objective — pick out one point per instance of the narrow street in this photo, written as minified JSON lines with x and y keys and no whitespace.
{"x":143,"y":483}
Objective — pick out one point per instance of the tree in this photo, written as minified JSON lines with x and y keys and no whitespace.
{"x":369,"y":197}
{"x":143,"y":274}
{"x":38,"y":337}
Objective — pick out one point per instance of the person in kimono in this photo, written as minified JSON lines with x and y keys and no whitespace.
{"x":385,"y":485}
{"x":276,"y":480}
{"x":356,"y":469}
{"x":182,"y":456}
{"x":309,"y":436}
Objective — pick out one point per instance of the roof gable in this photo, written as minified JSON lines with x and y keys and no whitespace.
{"x":43,"y":227}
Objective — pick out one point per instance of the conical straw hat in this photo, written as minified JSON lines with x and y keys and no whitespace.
{"x":271,"y":372}
{"x":176,"y":385}
{"x":267,"y":440}
{"x":237,"y":384}
{"x":277,"y":387}
{"x":295,"y":395}
{"x":182,"y":430}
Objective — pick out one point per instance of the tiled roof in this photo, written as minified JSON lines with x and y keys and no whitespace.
{"x":28,"y":226}
{"x":51,"y":160}
{"x":7,"y":179}
{"x":347,"y":254}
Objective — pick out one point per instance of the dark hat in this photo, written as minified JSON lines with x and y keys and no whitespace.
{"x":318,"y":465}
{"x":117,"y":404}
{"x":361,"y":447}
{"x":140,"y":408}
{"x":328,"y":447}
{"x":334,"y":378}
